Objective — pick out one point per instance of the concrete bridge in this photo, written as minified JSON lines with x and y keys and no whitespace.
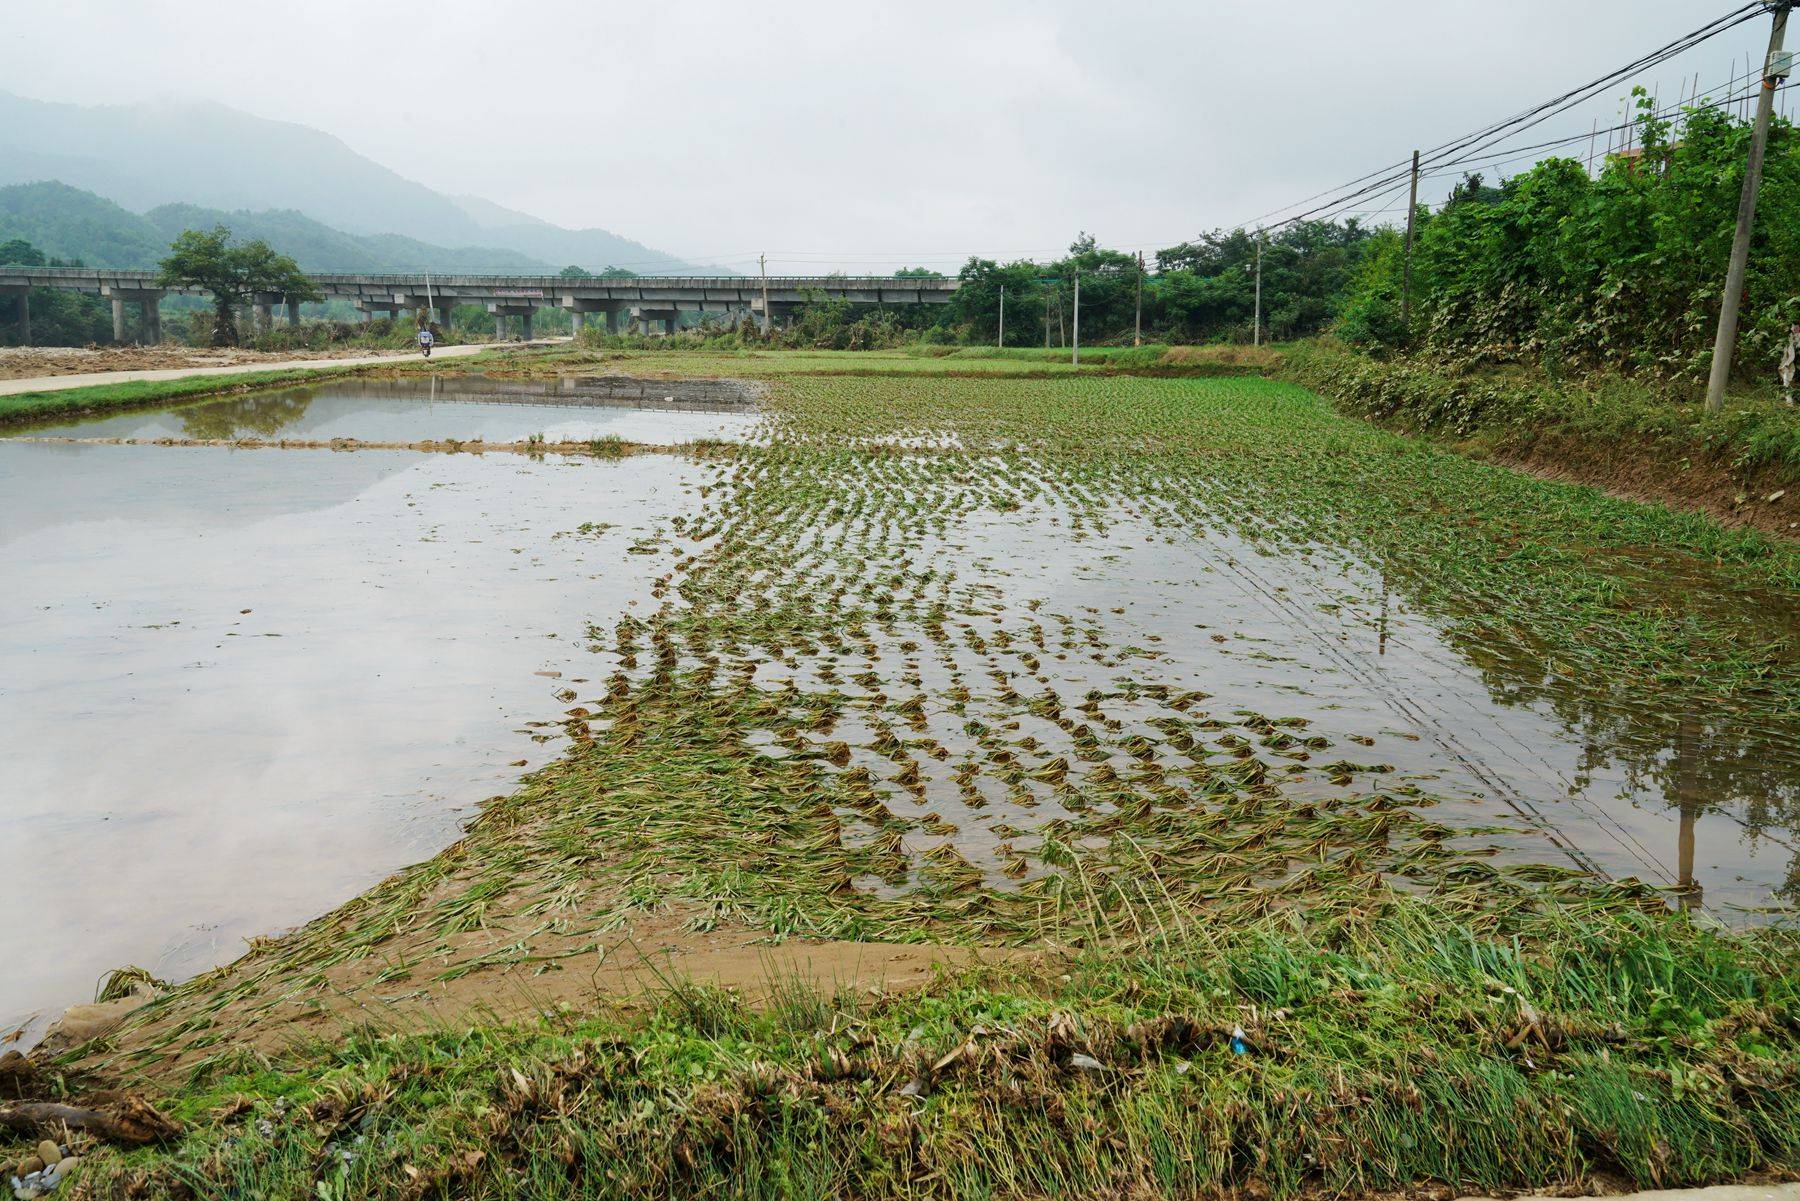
{"x":659,"y":301}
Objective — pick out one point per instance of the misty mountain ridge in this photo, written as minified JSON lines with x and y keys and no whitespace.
{"x":68,"y":223}
{"x":213,"y":157}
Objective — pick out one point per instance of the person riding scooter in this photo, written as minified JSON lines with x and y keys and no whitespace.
{"x":425,"y":340}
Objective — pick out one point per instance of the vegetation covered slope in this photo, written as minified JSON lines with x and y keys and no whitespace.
{"x":70,"y":224}
{"x":1570,"y":272}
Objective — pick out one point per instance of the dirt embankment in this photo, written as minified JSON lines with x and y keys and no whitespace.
{"x":1759,"y":500}
{"x":32,"y":362}
{"x":513,"y":964}
{"x":1629,"y":439}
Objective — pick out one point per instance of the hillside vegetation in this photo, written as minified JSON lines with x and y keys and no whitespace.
{"x":70,"y":224}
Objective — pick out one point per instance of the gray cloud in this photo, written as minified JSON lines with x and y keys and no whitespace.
{"x":869,"y":135}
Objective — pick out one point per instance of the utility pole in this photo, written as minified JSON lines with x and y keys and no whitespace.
{"x":1256,"y":334}
{"x":762,"y":265}
{"x":1075,"y":323}
{"x":1775,"y":69}
{"x":1412,"y":212}
{"x":1000,"y":338}
{"x":1137,"y":321}
{"x":1046,"y":318}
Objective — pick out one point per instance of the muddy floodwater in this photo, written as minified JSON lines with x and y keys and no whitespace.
{"x":240,"y":686}
{"x":464,"y":409}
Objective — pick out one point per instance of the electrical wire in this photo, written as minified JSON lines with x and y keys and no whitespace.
{"x":1446,"y":154}
{"x":1477,"y":147}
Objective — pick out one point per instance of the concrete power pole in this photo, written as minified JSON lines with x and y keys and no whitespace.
{"x":1776,"y":67}
{"x":762,"y":265}
{"x":1256,"y":333}
{"x":1000,"y":338}
{"x":1412,"y":212}
{"x":1075,"y":324}
{"x":1137,"y":320}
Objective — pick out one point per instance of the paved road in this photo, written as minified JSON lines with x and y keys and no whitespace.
{"x":56,"y":383}
{"x":1723,"y":1192}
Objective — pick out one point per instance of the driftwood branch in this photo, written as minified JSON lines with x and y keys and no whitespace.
{"x":132,"y":1121}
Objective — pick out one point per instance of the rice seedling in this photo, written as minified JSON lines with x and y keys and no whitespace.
{"x":1065,"y":665}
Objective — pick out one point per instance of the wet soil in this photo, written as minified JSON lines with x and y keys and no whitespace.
{"x":1761,"y":499}
{"x":30,"y":362}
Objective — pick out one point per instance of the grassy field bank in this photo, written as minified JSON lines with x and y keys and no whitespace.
{"x":864,"y":709}
{"x":1656,"y":443}
{"x":24,"y":407}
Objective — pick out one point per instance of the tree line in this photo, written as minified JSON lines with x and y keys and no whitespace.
{"x":1620,"y":269}
{"x":1559,"y":267}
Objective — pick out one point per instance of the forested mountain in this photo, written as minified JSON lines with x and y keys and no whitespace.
{"x":146,"y":155}
{"x":318,"y":247}
{"x":68,"y":223}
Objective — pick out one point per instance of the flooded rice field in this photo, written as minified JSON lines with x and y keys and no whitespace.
{"x":828,"y":693}
{"x":1321,"y":667}
{"x":464,"y":409}
{"x":240,"y":687}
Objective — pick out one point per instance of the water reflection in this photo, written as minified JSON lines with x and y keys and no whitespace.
{"x":252,"y":416}
{"x":1720,"y":775}
{"x":239,"y":688}
{"x":461,"y":408}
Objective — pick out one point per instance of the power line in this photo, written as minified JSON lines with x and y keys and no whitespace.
{"x":1470,"y":149}
{"x":1443,"y":154}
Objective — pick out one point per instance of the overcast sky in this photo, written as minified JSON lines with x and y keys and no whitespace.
{"x":863,"y":136}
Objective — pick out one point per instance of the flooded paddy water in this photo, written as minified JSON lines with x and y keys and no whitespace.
{"x":240,"y":687}
{"x":842,"y":694}
{"x":451,"y":408}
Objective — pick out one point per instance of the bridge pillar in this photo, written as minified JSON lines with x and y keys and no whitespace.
{"x":575,"y":322}
{"x":579,"y":308}
{"x":152,"y":313}
{"x":24,"y":318}
{"x":293,"y":313}
{"x":666,"y":317}
{"x":118,"y":308}
{"x":444,"y":317}
{"x":265,"y":317}
{"x":502,"y":311}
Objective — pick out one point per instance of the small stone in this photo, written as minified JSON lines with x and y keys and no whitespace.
{"x":30,"y":1164}
{"x":49,"y":1152}
{"x":68,"y":1165}
{"x":1086,"y":1063}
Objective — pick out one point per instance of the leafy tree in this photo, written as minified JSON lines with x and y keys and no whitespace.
{"x":918,"y":273}
{"x":1620,"y":271}
{"x":232,"y":273}
{"x":574,"y":272}
{"x":17,"y":252}
{"x":58,"y":318}
{"x":975,"y":305}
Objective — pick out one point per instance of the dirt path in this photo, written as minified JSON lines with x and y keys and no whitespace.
{"x":56,"y":383}
{"x":1722,"y":1192}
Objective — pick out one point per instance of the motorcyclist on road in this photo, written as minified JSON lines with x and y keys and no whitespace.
{"x":1788,"y":363}
{"x":425,"y":340}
